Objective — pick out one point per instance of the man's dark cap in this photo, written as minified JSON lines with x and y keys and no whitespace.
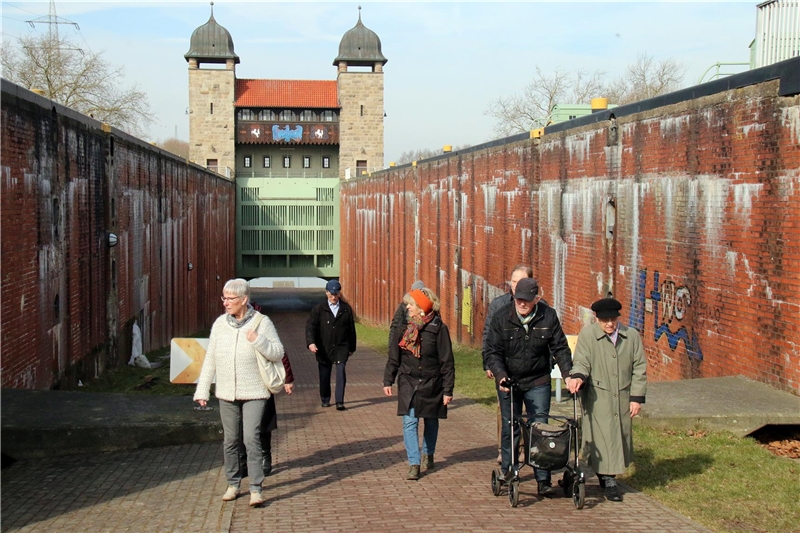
{"x":333,"y":286}
{"x":606,"y":308}
{"x":526,"y":289}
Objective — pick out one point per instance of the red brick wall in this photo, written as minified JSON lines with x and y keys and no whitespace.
{"x":704,"y":251}
{"x":68,"y":300}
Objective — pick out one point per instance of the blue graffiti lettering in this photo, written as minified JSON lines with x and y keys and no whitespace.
{"x":636,"y":315}
{"x":674,"y":302}
{"x":673,"y":337}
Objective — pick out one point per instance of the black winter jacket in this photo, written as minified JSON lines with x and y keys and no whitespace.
{"x":425,"y":380}
{"x":399,"y":320}
{"x":335,"y":337}
{"x":511,"y":352}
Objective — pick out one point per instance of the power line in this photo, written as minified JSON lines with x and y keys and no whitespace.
{"x":12,"y":18}
{"x":17,"y":7}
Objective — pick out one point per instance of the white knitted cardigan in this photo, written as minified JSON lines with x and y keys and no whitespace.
{"x":233,"y":358}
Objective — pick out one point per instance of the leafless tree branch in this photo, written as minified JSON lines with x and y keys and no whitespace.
{"x":83,"y":81}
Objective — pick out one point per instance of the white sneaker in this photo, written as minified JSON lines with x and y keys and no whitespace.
{"x":256,"y":499}
{"x":230,"y":493}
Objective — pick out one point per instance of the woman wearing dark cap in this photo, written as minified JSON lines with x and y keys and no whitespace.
{"x":610,"y":368}
{"x":421,"y":359}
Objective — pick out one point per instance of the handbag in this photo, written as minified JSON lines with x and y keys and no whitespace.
{"x":273,"y":373}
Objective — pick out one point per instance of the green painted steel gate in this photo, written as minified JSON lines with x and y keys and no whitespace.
{"x":287,"y":227}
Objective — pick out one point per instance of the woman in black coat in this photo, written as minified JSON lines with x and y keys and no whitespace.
{"x":421,"y":359}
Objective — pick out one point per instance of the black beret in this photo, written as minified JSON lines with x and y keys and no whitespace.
{"x":606,"y":308}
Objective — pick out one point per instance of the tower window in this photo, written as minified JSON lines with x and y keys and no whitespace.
{"x":306,"y":161}
{"x":326,"y":161}
{"x":361,"y":168}
{"x":248,"y":161}
{"x":266,"y":161}
{"x":362,"y":110}
{"x":211,"y":109}
{"x":287,"y":161}
{"x":266,"y":114}
{"x":308,"y":116}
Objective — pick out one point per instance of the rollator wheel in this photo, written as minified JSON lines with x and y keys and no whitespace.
{"x":579,"y":494}
{"x":513,"y":493}
{"x":566,"y":483}
{"x":496,"y":483}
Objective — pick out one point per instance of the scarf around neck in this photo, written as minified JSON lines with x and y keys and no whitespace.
{"x":410,"y":340}
{"x":234,"y":323}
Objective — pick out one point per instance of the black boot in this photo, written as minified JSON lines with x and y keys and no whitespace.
{"x":611,"y":489}
{"x":546,"y":489}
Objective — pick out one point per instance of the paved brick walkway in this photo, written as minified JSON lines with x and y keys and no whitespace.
{"x":335,"y":471}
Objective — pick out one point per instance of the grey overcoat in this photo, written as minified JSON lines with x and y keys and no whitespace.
{"x":613,"y":377}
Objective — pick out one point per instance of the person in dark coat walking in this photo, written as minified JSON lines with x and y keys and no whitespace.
{"x":331,"y":337}
{"x":521,"y":340}
{"x":421,"y":360}
{"x":400,"y":318}
{"x":504,"y":300}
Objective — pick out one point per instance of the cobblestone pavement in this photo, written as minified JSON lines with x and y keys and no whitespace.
{"x":334,"y":471}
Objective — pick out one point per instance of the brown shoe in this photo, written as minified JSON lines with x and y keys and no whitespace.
{"x":427,"y":461}
{"x":413,"y":473}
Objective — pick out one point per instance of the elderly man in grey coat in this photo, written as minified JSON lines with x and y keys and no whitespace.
{"x":610,"y":367}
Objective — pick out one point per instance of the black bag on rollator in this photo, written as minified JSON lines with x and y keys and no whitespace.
{"x":547,"y":446}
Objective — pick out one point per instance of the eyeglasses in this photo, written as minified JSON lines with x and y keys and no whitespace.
{"x":229,"y":298}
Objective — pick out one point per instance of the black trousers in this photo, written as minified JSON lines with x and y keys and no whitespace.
{"x":325,"y":371}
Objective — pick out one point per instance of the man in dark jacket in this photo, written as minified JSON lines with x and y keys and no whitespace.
{"x":504,"y":300}
{"x":520,"y":342}
{"x":331,"y":336}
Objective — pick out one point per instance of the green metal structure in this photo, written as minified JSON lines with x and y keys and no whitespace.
{"x":287,"y":227}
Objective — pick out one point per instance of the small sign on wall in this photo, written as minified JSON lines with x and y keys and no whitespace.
{"x":186,"y":360}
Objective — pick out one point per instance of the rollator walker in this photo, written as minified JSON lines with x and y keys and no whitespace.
{"x":547,"y":446}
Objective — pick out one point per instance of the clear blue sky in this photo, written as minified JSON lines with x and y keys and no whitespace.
{"x":447,"y":60}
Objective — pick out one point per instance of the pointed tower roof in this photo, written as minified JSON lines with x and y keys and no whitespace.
{"x":360,"y":46}
{"x":211,"y":43}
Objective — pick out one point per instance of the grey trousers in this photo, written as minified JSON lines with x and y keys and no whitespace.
{"x":244,"y":414}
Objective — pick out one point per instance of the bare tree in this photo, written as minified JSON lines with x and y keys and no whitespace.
{"x":533,"y":108}
{"x":424,"y":153}
{"x":644,"y":79}
{"x":83,"y":81}
{"x":176,"y":146}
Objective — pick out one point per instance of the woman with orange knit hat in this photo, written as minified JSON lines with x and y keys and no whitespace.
{"x":421,"y":359}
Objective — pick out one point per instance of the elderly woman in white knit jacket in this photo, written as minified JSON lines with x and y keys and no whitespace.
{"x":233,"y":347}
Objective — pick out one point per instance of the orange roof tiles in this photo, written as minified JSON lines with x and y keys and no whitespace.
{"x":286,"y":93}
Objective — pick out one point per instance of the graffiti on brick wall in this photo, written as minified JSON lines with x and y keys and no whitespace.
{"x":669,"y":304}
